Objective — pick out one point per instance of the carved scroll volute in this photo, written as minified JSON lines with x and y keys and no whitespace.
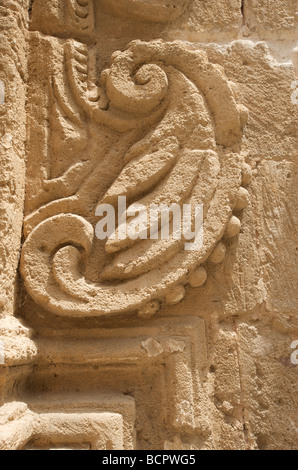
{"x":193,"y":123}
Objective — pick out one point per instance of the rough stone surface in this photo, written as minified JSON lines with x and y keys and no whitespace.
{"x":142,"y":344}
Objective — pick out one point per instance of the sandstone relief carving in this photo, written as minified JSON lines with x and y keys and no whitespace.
{"x":64,"y":18}
{"x":163,"y":102}
{"x":122,"y":328}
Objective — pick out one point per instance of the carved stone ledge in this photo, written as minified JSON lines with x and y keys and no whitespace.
{"x":23,"y":429}
{"x":177,"y":348}
{"x":156,"y":11}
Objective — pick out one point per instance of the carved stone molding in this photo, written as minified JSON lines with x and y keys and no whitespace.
{"x":23,"y":429}
{"x":177,"y":349}
{"x":157,"y":11}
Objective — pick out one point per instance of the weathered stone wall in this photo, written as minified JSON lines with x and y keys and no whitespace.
{"x":129,"y":344}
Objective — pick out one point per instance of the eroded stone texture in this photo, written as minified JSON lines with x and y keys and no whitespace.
{"x":126,"y":344}
{"x":270,"y":15}
{"x":13,"y":73}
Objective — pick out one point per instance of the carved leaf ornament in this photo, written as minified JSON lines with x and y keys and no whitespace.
{"x":188,"y":154}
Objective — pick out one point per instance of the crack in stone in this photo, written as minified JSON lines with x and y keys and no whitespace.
{"x":30,"y":8}
{"x":243,"y":12}
{"x":245,"y":413}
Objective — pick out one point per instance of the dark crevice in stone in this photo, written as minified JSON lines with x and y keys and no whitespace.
{"x":243,"y":11}
{"x":30,"y":8}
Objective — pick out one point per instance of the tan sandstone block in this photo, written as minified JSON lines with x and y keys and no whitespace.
{"x":269,"y":381}
{"x":270,"y":15}
{"x":12,"y":141}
